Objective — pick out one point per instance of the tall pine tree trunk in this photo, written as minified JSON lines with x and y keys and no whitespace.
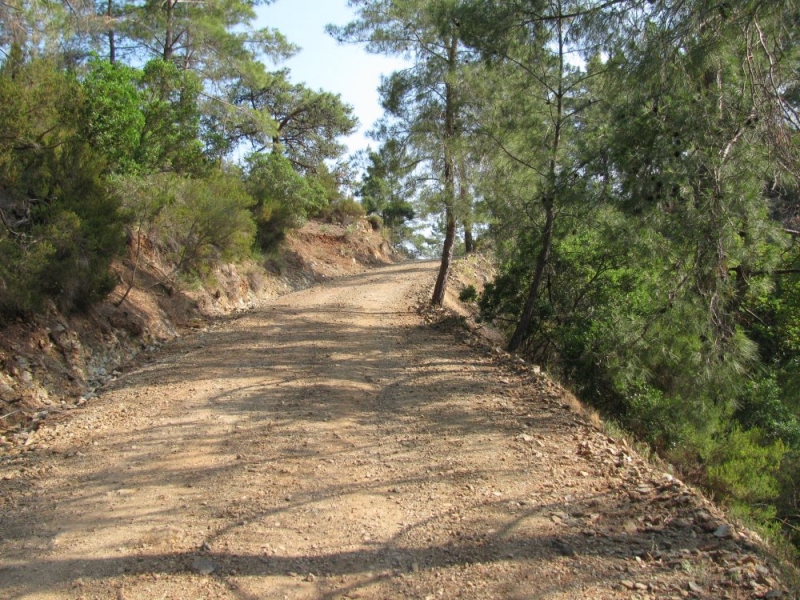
{"x":469,"y":242}
{"x":526,"y":318}
{"x":449,"y":177}
{"x":465,"y":206}
{"x":447,"y":256}
{"x":112,"y":45}
{"x":169,"y":37}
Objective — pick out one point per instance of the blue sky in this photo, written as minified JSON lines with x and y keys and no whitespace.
{"x":322,"y":63}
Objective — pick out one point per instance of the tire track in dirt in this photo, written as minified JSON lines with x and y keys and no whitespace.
{"x":332,"y":446}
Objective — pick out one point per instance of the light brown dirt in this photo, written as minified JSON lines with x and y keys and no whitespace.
{"x":334,"y":445}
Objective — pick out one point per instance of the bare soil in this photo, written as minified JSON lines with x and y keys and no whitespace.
{"x":336,"y":444}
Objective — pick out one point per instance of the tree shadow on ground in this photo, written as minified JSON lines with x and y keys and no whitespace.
{"x":293,"y":371}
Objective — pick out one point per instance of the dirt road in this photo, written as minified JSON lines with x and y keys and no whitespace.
{"x":333,"y":446}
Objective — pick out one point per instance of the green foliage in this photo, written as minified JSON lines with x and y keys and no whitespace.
{"x":170,"y":135}
{"x":60,"y":226}
{"x":85,"y":226}
{"x":375,"y":221}
{"x":468,"y":294}
{"x":143,"y":120}
{"x":743,"y":466}
{"x":66,"y":252}
{"x":210,"y":220}
{"x":301,"y":123}
{"x":382,"y":192}
{"x":283,"y":197}
{"x":112,"y":120}
{"x":788,"y":503}
{"x":762,"y":407}
{"x":344,"y":210}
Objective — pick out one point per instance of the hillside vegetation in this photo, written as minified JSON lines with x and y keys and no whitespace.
{"x":635,"y":165}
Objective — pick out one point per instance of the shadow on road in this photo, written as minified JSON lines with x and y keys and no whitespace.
{"x":310,"y":406}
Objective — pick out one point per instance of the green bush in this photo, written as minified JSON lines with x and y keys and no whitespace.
{"x":283,"y":198}
{"x":375,"y":222}
{"x":743,"y":467}
{"x":22,"y":271}
{"x":659,"y":420}
{"x":343,"y":211}
{"x":209,"y":220}
{"x":468,"y":294}
{"x":170,"y":135}
{"x":66,"y":254}
{"x":762,"y":407}
{"x":111,"y":116}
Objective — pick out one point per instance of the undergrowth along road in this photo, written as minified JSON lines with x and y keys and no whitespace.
{"x":332,"y":445}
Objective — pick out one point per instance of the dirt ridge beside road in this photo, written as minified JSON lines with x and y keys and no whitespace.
{"x":333,"y":445}
{"x":51,"y":362}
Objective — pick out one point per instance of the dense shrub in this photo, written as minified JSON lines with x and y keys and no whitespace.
{"x":283,"y":198}
{"x":375,"y":222}
{"x":209,"y":220}
{"x":112,"y":119}
{"x":61,"y":227}
{"x":344,"y":211}
{"x":743,"y":465}
{"x":468,"y":294}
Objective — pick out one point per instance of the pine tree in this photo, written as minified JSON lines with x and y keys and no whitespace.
{"x":424,"y":102}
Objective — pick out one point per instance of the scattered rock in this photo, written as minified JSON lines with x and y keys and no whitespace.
{"x":563,"y":548}
{"x":723,"y":532}
{"x":203,"y":566}
{"x":694,"y":588}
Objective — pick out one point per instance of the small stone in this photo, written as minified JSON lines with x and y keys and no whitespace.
{"x":628,"y":584}
{"x":723,"y":532}
{"x":203,"y":566}
{"x":694,"y":588}
{"x":205,"y":546}
{"x":702,"y":517}
{"x":630,"y":527}
{"x":680,"y":523}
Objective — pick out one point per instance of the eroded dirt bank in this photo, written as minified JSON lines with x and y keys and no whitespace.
{"x":330,"y":445}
